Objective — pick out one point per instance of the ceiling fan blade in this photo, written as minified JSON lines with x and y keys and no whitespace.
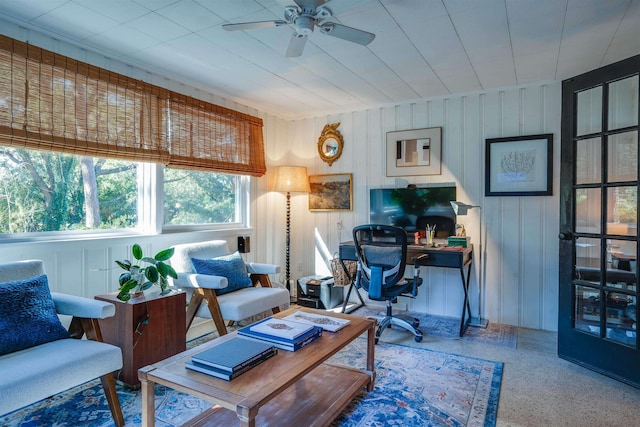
{"x":346,"y":33}
{"x":296,"y":45}
{"x":253,"y":25}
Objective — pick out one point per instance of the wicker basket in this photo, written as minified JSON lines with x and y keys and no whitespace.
{"x":340,"y":277}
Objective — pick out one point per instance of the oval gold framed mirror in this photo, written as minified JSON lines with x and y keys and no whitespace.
{"x":330,"y":143}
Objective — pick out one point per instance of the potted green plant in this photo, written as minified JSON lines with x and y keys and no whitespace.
{"x":145,"y":272}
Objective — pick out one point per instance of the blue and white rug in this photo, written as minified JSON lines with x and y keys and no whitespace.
{"x":497,"y":334}
{"x":414,"y":387}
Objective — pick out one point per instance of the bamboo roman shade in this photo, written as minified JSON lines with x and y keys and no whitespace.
{"x":202,"y":135}
{"x":54,"y":103}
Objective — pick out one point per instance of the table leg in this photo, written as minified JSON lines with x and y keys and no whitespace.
{"x":466,"y":308}
{"x":148,"y":403}
{"x":247,"y":414}
{"x":371,"y":346}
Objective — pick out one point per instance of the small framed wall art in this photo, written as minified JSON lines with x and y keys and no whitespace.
{"x":414,"y":152}
{"x":519,"y":166}
{"x":331,"y":192}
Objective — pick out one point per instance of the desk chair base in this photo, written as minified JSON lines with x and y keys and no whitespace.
{"x":409,"y":323}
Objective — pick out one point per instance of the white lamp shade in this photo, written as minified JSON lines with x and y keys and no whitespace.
{"x":291,"y":179}
{"x":461,"y":208}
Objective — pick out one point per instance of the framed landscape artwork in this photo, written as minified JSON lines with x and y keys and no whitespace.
{"x":519,"y":166}
{"x":331,"y":192}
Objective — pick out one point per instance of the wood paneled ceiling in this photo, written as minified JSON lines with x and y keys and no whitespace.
{"x":422,"y":49}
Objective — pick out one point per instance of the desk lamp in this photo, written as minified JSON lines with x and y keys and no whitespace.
{"x":290,"y":179}
{"x":461,"y":208}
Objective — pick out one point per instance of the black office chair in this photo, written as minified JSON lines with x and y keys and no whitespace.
{"x":382,"y":257}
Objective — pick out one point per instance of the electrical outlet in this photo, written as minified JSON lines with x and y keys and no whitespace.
{"x":339,"y":225}
{"x":299,"y":266}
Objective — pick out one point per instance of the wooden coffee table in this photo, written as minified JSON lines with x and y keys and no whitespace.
{"x":290,"y":389}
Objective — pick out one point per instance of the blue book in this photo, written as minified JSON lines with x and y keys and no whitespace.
{"x":281,"y":343}
{"x":233,"y":355}
{"x":226,"y":375}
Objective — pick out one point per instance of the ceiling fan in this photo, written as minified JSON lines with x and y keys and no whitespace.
{"x":306,"y":15}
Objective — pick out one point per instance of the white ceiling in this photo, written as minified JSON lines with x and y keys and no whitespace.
{"x":422,"y":49}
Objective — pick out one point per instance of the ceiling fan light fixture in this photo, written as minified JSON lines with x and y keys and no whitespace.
{"x":304,"y":25}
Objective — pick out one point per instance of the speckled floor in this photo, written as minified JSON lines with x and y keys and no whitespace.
{"x":539,"y":388}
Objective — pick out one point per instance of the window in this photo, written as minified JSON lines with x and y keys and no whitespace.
{"x":192,"y":198}
{"x":53,"y":192}
{"x":44,"y":191}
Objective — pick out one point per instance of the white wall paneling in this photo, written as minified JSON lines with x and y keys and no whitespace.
{"x":520,"y":232}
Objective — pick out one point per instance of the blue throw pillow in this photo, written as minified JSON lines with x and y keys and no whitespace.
{"x":230,"y":266}
{"x":28,"y":315}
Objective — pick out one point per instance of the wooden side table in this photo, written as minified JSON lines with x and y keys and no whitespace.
{"x":147,"y":329}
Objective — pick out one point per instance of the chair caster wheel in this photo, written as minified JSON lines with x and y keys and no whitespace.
{"x":418,"y":339}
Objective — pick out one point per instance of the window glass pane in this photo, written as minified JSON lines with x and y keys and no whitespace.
{"x":588,"y":259}
{"x":589,"y":111}
{"x":622,"y":210}
{"x":621,"y":264}
{"x":588,"y":210}
{"x":621,"y":318}
{"x":623,"y":103}
{"x":623,"y":157}
{"x":192,"y":197}
{"x":587,"y":309}
{"x":42,"y":191}
{"x":588,"y":161}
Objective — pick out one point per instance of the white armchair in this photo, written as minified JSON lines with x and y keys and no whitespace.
{"x":232,"y":306}
{"x":41,"y":370}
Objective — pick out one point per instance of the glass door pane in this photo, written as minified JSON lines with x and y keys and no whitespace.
{"x":587,"y":309}
{"x":589,"y":161}
{"x":589,"y":116}
{"x":588,"y":213}
{"x":622,"y":210}
{"x":623,"y":157}
{"x":621,"y":318}
{"x":623,"y":103}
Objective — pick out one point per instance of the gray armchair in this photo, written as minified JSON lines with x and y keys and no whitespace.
{"x":36,"y":372}
{"x":205,"y":291}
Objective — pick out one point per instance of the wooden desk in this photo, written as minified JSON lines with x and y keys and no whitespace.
{"x":438,"y":257}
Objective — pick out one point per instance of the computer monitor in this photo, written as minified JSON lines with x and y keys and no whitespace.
{"x":415,"y":208}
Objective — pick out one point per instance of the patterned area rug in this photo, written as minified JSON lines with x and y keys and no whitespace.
{"x":449,"y":327}
{"x":414,"y":387}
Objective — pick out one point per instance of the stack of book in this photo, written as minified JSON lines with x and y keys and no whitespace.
{"x":282,"y":333}
{"x":231,"y":358}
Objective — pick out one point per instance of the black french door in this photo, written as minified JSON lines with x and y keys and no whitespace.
{"x":597,"y":324}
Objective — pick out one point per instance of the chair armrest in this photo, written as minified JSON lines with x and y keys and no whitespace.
{"x":72,"y":305}
{"x":258,"y":268}
{"x":205,"y":281}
